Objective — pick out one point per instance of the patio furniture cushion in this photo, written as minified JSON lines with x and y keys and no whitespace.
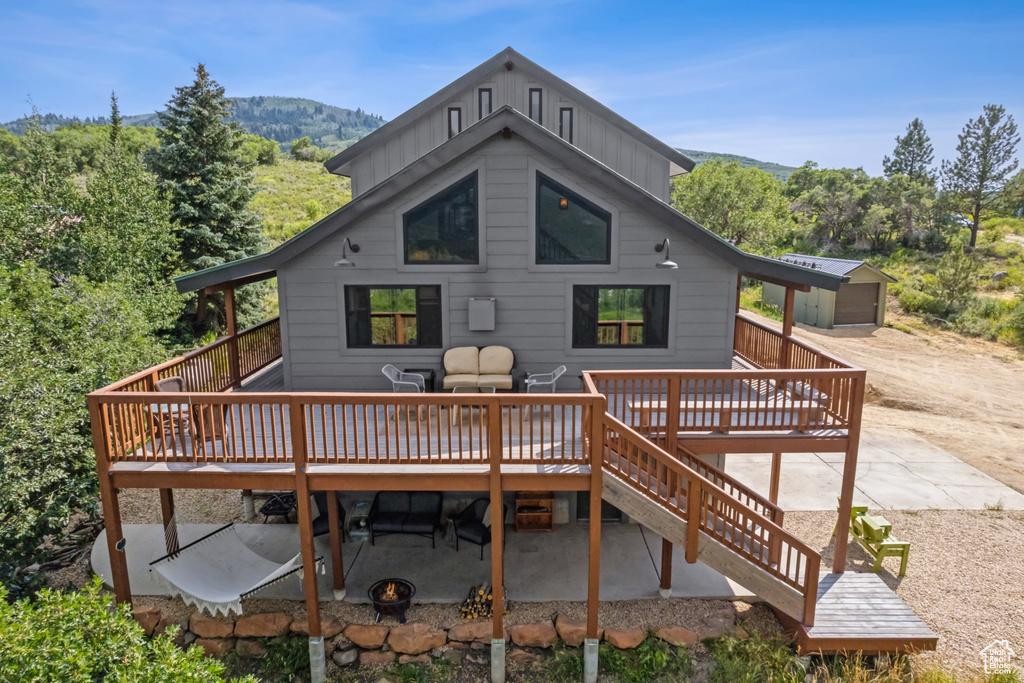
{"x":462,"y":360}
{"x":391,"y":522}
{"x":452,"y":381}
{"x":392,"y":501}
{"x":496,"y":381}
{"x":496,"y":360}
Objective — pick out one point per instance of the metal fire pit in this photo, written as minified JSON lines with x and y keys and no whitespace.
{"x":392,"y":608}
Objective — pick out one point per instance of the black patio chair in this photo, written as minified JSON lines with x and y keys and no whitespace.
{"x":469,"y":524}
{"x":279,"y":505}
{"x":283,"y":504}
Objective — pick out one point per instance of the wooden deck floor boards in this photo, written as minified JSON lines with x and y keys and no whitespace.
{"x":860,"y":613}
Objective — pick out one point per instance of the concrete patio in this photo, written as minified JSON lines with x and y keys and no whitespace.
{"x":539,"y":566}
{"x":895,"y":471}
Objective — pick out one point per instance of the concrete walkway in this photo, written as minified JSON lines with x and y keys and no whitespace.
{"x":539,"y":567}
{"x":895,"y":471}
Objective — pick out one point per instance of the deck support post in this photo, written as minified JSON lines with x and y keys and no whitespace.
{"x":111,"y":508}
{"x":495,"y":450}
{"x":665,"y":589}
{"x":170,"y":522}
{"x":297,"y":418}
{"x":787,"y":327}
{"x":849,"y":473}
{"x":248,"y":506}
{"x":337,"y":564}
{"x":597,"y":411}
{"x":773,"y":486}
{"x":232,"y":325}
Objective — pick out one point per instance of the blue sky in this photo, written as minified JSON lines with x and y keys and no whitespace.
{"x":784,"y":82}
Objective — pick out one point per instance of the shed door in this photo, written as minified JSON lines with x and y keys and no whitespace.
{"x":856,"y":304}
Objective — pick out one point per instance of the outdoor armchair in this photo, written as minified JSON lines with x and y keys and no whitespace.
{"x":403,"y":381}
{"x":549,"y":380}
{"x":469,"y":524}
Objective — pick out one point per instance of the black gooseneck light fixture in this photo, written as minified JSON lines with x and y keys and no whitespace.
{"x":668,"y":262}
{"x":344,"y":262}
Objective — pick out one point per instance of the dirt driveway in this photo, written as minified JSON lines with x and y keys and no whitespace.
{"x":963,"y":395}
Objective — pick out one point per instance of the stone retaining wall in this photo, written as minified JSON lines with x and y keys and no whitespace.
{"x":382,"y":644}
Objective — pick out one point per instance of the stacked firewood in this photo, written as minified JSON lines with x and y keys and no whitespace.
{"x":72,"y":545}
{"x":479,"y":604}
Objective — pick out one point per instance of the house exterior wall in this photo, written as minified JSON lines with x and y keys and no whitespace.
{"x":591,"y":133}
{"x":817,"y":307}
{"x":533,"y":303}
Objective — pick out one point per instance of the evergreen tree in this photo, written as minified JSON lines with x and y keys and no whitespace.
{"x":912,"y":156}
{"x":201,"y":166}
{"x":985,"y":161}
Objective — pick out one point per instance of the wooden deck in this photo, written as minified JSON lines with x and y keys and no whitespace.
{"x":859,"y":613}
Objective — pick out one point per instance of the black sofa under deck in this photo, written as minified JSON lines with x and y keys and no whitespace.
{"x":402,"y":512}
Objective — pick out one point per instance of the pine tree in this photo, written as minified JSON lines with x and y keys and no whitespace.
{"x":912,"y":156}
{"x":985,"y":161}
{"x":201,"y":167}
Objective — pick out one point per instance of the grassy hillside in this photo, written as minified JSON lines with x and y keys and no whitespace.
{"x":295,"y":194}
{"x":281,"y":119}
{"x":778,"y":170}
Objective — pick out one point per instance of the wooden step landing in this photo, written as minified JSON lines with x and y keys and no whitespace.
{"x":859,"y":613}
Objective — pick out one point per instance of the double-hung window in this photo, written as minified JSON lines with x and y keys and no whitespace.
{"x":393,"y":316}
{"x":620,"y":316}
{"x":444,"y":229}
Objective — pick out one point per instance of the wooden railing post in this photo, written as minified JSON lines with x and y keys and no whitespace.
{"x":232,"y":323}
{"x":297,"y":420}
{"x":116,"y":544}
{"x":693,"y":506}
{"x":811,"y":571}
{"x":849,"y":472}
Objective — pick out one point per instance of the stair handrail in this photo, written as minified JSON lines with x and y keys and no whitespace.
{"x":754,"y":500}
{"x":718,"y":514}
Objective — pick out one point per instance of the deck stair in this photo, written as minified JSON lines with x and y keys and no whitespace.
{"x":739,"y":534}
{"x":717,"y":520}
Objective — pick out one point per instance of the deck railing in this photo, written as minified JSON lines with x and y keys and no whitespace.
{"x":707,"y":508}
{"x":763,"y":347}
{"x":340,"y":428}
{"x":725,"y":401}
{"x":215,"y":367}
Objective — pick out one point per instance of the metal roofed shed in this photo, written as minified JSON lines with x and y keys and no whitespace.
{"x":859,"y":301}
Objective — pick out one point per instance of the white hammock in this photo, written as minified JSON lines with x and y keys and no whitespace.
{"x":217,"y":571}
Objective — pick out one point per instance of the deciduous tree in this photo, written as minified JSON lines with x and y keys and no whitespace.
{"x":985,"y":160}
{"x":744,"y":205}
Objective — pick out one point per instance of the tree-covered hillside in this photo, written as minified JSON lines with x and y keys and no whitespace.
{"x":281,"y":119}
{"x":778,"y":170}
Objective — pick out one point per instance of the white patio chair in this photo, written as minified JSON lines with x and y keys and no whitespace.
{"x":549,"y":379}
{"x":403,"y":382}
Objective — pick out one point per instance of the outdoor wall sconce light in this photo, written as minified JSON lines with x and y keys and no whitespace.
{"x":563,"y":203}
{"x":345,"y":246}
{"x":668,"y":262}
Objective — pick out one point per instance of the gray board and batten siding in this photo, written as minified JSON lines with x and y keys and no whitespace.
{"x":596,"y":130}
{"x":533,"y":303}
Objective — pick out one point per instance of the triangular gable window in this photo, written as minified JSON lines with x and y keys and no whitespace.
{"x":570,"y":229}
{"x":444,"y":229}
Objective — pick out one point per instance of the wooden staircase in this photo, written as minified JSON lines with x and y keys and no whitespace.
{"x":715,"y":518}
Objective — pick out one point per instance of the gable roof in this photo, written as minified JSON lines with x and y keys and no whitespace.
{"x":678,"y":162}
{"x":836,"y":266}
{"x":509,"y":121}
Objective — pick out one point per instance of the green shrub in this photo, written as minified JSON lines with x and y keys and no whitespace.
{"x":756,"y":659}
{"x":914,"y":301}
{"x":565,"y":664}
{"x":286,"y":658}
{"x":653,"y":660}
{"x":76,"y":637}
